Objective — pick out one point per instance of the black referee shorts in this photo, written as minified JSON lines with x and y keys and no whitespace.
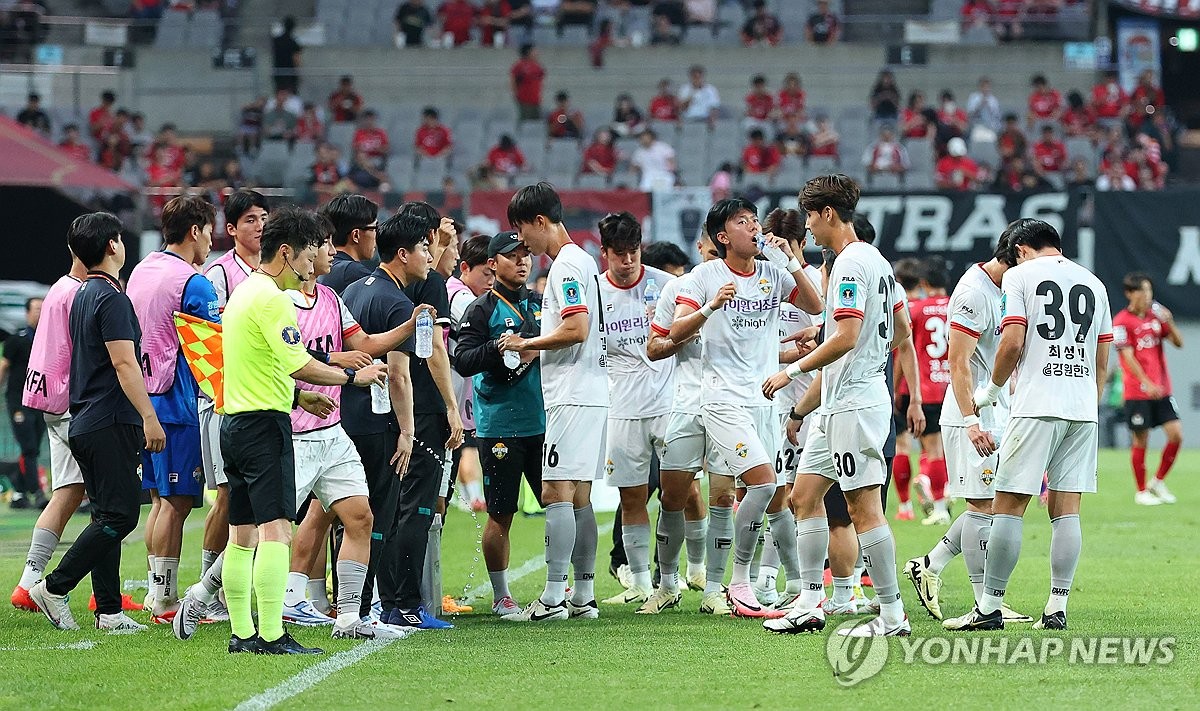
{"x":505,"y":460}
{"x":261,"y":467}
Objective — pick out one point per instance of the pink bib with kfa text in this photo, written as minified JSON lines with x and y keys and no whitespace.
{"x":47,"y":381}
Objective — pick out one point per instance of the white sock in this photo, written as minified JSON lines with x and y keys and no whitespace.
{"x":843,"y":590}
{"x":150,"y":574}
{"x":499,"y":580}
{"x":643,"y":580}
{"x":166,"y":579}
{"x":297,"y":586}
{"x":939,"y":506}
{"x":207,"y":558}
{"x":318,"y":594}
{"x":767,"y":576}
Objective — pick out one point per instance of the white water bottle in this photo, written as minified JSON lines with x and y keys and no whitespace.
{"x":512,"y":359}
{"x":774,"y":254}
{"x":381,"y":399}
{"x":424,"y":335}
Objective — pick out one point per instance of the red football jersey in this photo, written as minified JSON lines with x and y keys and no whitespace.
{"x":1144,"y":334}
{"x":759,"y":106}
{"x":931,"y":336}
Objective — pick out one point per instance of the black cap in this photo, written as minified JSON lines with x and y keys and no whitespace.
{"x":503,"y":243}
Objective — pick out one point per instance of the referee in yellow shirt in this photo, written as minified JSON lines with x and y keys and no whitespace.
{"x":263,"y":357}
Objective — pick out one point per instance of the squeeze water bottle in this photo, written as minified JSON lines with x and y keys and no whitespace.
{"x":774,"y":254}
{"x":424,"y":335}
{"x":650,"y":297}
{"x":512,"y":359}
{"x":381,"y":400}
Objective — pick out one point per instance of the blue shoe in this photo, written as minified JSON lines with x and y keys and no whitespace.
{"x":417,"y":618}
{"x":305,"y":615}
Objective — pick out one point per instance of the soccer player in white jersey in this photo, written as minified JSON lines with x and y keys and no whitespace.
{"x":575,"y":389}
{"x":736,"y":300}
{"x":639,"y":392}
{"x":846,"y":442}
{"x":969,"y":440}
{"x":690,"y":451}
{"x":1055,"y":331}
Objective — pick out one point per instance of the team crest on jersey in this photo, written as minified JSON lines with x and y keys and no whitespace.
{"x":1003,"y":304}
{"x":571,"y":293}
{"x":741,"y":450}
{"x":1137,"y":420}
{"x":500,"y":450}
{"x":988,"y":477}
{"x":848,"y":294}
{"x":198,"y":474}
{"x":764,"y":286}
{"x":291,"y":335}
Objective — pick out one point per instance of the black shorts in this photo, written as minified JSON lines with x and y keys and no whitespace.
{"x":261,"y":466}
{"x":836,"y":511}
{"x":1145,"y":415}
{"x":504,"y":461}
{"x":900,"y":412}
{"x":933,"y":418}
{"x":469,"y":439}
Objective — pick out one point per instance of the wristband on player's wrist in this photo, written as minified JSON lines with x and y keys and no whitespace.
{"x":794,"y":266}
{"x":794,"y":370}
{"x":794,"y":416}
{"x":707,"y":310}
{"x":971,"y":421}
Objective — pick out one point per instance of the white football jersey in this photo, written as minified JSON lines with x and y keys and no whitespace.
{"x":1065,"y":311}
{"x":637,"y":386}
{"x":862,"y":286}
{"x":791,"y":320}
{"x":974,"y":309}
{"x":741,"y":342}
{"x":687,"y":359}
{"x":575,"y":375}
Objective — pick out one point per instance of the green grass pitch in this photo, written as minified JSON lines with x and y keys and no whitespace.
{"x":1136,"y":578}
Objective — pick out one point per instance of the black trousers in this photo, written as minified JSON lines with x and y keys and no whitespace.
{"x":416,"y":505}
{"x":108,"y":459}
{"x":376,"y":451}
{"x":29,"y":427}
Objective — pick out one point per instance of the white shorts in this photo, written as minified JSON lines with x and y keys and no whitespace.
{"x":686,"y":448}
{"x":848,"y":447}
{"x":788,"y":456}
{"x":1064,"y":450}
{"x":631,"y":446}
{"x":744,"y":437}
{"x":971,"y":476}
{"x":575,"y":443}
{"x":210,"y":445}
{"x":328,"y":466}
{"x":64,"y":470}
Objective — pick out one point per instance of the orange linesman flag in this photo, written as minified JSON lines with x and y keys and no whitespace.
{"x":200,"y":341}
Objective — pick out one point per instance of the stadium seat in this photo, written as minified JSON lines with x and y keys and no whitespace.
{"x":562,"y":156}
{"x":575,"y":36}
{"x":530,"y":131}
{"x":791,"y":174}
{"x":172,"y":30}
{"x":984,"y":152}
{"x":591,"y":181}
{"x":340,"y":135}
{"x":206,"y":30}
{"x":272,"y":163}
{"x":1081,"y":148}
{"x":400,"y":173}
{"x":430,"y":172}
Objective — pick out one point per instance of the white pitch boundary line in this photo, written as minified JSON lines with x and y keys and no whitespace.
{"x":85,"y":644}
{"x":310,"y":677}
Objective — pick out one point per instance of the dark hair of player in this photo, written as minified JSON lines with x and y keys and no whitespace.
{"x":474,"y":251}
{"x":1034,"y":234}
{"x":424,"y":211}
{"x":532,"y":201}
{"x":620,"y":232}
{"x":908,"y":272}
{"x":788,"y":224}
{"x":240,"y":202}
{"x":835,"y":190}
{"x":934,"y":272}
{"x":1134,"y":281}
{"x":181,"y":213}
{"x":720,"y":213}
{"x":863,"y":229}
{"x":664,"y":255}
{"x":90,"y":234}
{"x":348,"y":213}
{"x":403,"y":230}
{"x":1004,"y":252}
{"x":293,"y":227}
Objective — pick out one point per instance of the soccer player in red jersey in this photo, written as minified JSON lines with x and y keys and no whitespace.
{"x":1138,"y":332}
{"x":930,"y":336}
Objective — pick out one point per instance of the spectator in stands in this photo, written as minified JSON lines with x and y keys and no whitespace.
{"x":233,"y":176}
{"x":140,"y":137}
{"x":760,"y":105}
{"x":665,"y":105}
{"x":432,"y":139}
{"x":565,"y":121}
{"x":100,"y":118}
{"x":823,"y":27}
{"x":792,"y":140}
{"x":1110,"y":103}
{"x":493,"y":22}
{"x":371,"y":139}
{"x":576,"y":12}
{"x":1115,"y":178}
{"x":699,"y":100}
{"x":603,"y":40}
{"x":205,"y":179}
{"x":251,"y":125}
{"x":506,"y":160}
{"x":146,"y":9}
{"x":525,"y":78}
{"x":520,"y":21}
{"x":33,"y":116}
{"x":412,"y":17}
{"x":457,"y":18}
{"x":285,"y":57}
{"x":672,"y":11}
{"x":326,"y":176}
{"x":21,"y":28}
{"x":279,"y":124}
{"x":886,"y":155}
{"x":1112,"y":147}
{"x":365,"y":174}
{"x":73,"y":143}
{"x":1009,"y":179}
{"x":116,"y":134}
{"x":627,"y":119}
{"x":654,"y":162}
{"x":760,"y":157}
{"x":761,"y":27}
{"x":955,"y":171}
{"x":824,"y":141}
{"x":668,"y":256}
{"x":600,"y":157}
{"x":976,"y":14}
{"x":287,"y":99}
{"x":1011,"y":142}
{"x":1144,"y":164}
{"x":1007,"y":18}
{"x":885,"y":97}
{"x":1147,"y":99}
{"x":983,"y":110}
{"x":951,"y":114}
{"x":167,"y":140}
{"x":721,"y":184}
{"x":912,"y":119}
{"x":1049,"y":153}
{"x":345,"y":102}
{"x":1045,"y":103}
{"x":163,"y":175}
{"x":309,"y":126}
{"x":663,"y":32}
{"x":1078,"y":119}
{"x":791,"y":97}
{"x":110,"y":155}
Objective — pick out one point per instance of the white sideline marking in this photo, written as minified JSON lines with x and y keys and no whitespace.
{"x":85,"y":644}
{"x":310,"y":677}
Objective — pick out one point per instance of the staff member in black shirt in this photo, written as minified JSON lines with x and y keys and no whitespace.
{"x":355,"y":227}
{"x":111,"y":420}
{"x":29,"y":427}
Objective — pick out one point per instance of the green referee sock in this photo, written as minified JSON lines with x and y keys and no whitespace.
{"x":237,"y":572}
{"x":270,"y":582}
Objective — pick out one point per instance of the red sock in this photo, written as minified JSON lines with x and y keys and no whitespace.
{"x":938,"y":477}
{"x":1168,"y":458}
{"x":902,"y":475}
{"x":1138,"y":456}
